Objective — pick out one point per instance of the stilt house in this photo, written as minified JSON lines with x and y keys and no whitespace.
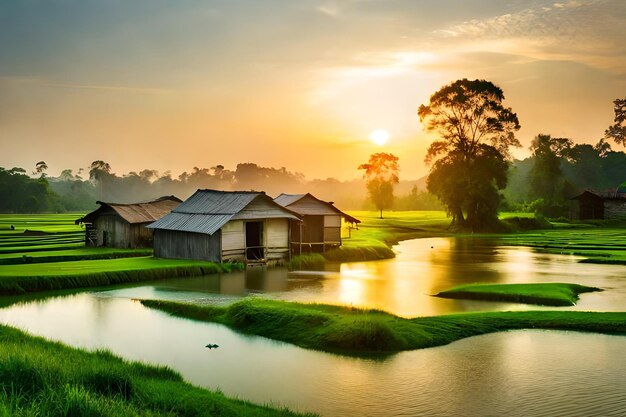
{"x":124,"y":225}
{"x":320,"y":228}
{"x":223,"y":226}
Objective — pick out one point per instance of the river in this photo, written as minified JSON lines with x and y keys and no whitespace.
{"x":512,"y":373}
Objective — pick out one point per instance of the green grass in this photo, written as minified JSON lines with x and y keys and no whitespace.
{"x":311,"y":261}
{"x":80,"y":254}
{"x":375,"y":236}
{"x":354,"y":331}
{"x":550,"y":294}
{"x":42,"y":378}
{"x":19,"y":279}
{"x":51,"y":223}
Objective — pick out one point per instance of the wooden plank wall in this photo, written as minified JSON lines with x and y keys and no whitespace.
{"x":187,"y":245}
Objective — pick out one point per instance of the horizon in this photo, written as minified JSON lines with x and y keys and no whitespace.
{"x":169,"y":87}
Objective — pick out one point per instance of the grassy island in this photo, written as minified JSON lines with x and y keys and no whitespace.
{"x":355,"y":331}
{"x":549,"y":294}
{"x":42,"y":378}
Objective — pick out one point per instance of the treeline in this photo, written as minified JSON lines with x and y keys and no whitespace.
{"x":70,"y":191}
{"x":559,"y":170}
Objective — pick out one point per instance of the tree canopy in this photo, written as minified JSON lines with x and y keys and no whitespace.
{"x":470,"y":161}
{"x":381,"y":175}
{"x":546,"y":175}
{"x":617,"y":131}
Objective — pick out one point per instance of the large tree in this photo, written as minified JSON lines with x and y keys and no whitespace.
{"x":381,"y":175}
{"x":470,"y":161}
{"x":617,"y":131}
{"x":546,"y":176}
{"x":100,"y":171}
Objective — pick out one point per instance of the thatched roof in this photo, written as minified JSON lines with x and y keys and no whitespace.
{"x":206,"y":211}
{"x":309,"y":205}
{"x":135,"y":213}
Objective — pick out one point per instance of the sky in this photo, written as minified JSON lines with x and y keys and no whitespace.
{"x":169,"y":85}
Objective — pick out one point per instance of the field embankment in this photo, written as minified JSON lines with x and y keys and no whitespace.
{"x":42,"y":378}
{"x":20,"y":279}
{"x":355,"y":331}
{"x":549,"y":294}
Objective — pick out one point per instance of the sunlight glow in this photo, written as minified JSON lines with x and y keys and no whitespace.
{"x":379,"y":137}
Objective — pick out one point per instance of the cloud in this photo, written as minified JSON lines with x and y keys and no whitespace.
{"x":115,"y":88}
{"x":590,"y":32}
{"x":330,"y":10}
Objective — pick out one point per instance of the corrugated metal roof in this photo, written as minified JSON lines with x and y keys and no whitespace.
{"x":206,"y":211}
{"x":197,"y":223}
{"x":217,"y":202}
{"x":308,"y":204}
{"x":138,"y":212}
{"x":288,"y":199}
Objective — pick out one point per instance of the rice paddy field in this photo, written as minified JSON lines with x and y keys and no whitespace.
{"x":46,"y":252}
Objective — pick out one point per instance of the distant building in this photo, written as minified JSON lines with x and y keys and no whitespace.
{"x":124,"y":225}
{"x":223,"y":226}
{"x":607,"y":205}
{"x":320,"y":228}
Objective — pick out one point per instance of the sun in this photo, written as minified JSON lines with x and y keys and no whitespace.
{"x":379,"y":137}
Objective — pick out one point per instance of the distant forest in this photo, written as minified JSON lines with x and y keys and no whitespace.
{"x":36,"y":193}
{"x":542,"y":183}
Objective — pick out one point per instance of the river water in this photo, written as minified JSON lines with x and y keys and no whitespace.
{"x":512,"y":373}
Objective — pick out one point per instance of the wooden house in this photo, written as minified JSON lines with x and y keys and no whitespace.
{"x":124,"y":225}
{"x":223,"y":226}
{"x":320,"y":228}
{"x":609,"y":205}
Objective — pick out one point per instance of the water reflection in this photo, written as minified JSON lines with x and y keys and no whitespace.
{"x":514,"y":373}
{"x":404,"y":285}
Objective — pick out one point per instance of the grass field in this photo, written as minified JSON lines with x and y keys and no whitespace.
{"x":19,"y":279}
{"x":41,"y":378}
{"x":549,"y":294}
{"x":355,"y":331}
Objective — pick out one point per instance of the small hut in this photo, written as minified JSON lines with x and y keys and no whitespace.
{"x":608,"y":205}
{"x":223,"y":226}
{"x":590,"y":206}
{"x":320,"y":228}
{"x":124,"y":225}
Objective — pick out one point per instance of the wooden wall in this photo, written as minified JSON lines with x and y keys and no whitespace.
{"x":233,"y":240}
{"x":121,"y":234}
{"x":187,"y":245}
{"x":275,"y":239}
{"x":332,"y":229}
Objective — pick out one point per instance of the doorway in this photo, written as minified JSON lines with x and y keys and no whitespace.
{"x":254,"y":241}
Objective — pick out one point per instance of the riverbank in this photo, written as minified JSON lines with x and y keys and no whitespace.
{"x":353,"y":331}
{"x":64,"y":255}
{"x":20,"y":279}
{"x":39,"y":377}
{"x":549,"y":294}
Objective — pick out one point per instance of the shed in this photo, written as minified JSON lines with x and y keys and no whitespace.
{"x":124,"y":225}
{"x":223,"y":226}
{"x":608,"y":205}
{"x":320,"y":228}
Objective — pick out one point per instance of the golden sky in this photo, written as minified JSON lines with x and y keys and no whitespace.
{"x":171,"y":85}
